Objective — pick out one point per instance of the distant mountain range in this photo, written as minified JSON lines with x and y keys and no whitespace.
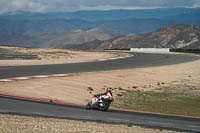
{"x":58,"y":39}
{"x":52,"y":29}
{"x":172,"y":36}
{"x":124,"y":21}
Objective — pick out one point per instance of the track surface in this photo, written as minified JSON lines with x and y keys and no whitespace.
{"x":23,"y":107}
{"x":137,"y":61}
{"x":116,"y":117}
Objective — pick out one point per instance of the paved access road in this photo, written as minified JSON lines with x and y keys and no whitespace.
{"x":23,"y":107}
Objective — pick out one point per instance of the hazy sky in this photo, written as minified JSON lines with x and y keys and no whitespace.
{"x":74,"y":5}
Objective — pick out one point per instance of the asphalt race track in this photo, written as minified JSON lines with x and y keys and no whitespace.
{"x":23,"y":107}
{"x":137,"y":61}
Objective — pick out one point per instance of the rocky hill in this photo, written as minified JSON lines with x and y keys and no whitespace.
{"x":57,"y":40}
{"x":172,"y":36}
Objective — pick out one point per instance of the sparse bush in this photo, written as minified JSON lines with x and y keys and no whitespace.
{"x":120,"y":88}
{"x":90,"y":89}
{"x":119,"y":95}
{"x":158,"y":83}
{"x":134,"y":87}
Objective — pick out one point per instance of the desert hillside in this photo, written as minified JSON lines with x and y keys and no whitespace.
{"x":58,"y":39}
{"x":172,"y":36}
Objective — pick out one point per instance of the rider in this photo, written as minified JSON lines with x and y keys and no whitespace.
{"x":102,"y":96}
{"x":106,"y":94}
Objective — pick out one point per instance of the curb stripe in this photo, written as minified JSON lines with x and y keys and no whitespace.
{"x":25,"y":98}
{"x":39,"y":100}
{"x":5,"y":80}
{"x":104,"y":59}
{"x":38,"y":76}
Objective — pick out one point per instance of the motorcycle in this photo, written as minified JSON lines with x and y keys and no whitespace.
{"x":100,"y":102}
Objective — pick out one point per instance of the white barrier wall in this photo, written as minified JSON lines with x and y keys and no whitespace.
{"x":149,"y":50}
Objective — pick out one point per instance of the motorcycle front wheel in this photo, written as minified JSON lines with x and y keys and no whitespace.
{"x":105,"y":107}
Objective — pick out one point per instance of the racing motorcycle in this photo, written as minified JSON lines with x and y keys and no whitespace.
{"x":101,"y":101}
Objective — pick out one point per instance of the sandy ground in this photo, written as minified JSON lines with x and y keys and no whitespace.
{"x":75,"y":89}
{"x":56,"y":56}
{"x":21,"y":124}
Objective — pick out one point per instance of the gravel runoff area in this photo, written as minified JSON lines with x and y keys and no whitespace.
{"x":23,"y":124}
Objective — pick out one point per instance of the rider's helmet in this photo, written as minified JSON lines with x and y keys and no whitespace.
{"x":108,"y":90}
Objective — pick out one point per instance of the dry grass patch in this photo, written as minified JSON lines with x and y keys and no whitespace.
{"x":166,"y":100}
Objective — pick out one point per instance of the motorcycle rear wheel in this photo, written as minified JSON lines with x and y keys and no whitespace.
{"x":88,"y":106}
